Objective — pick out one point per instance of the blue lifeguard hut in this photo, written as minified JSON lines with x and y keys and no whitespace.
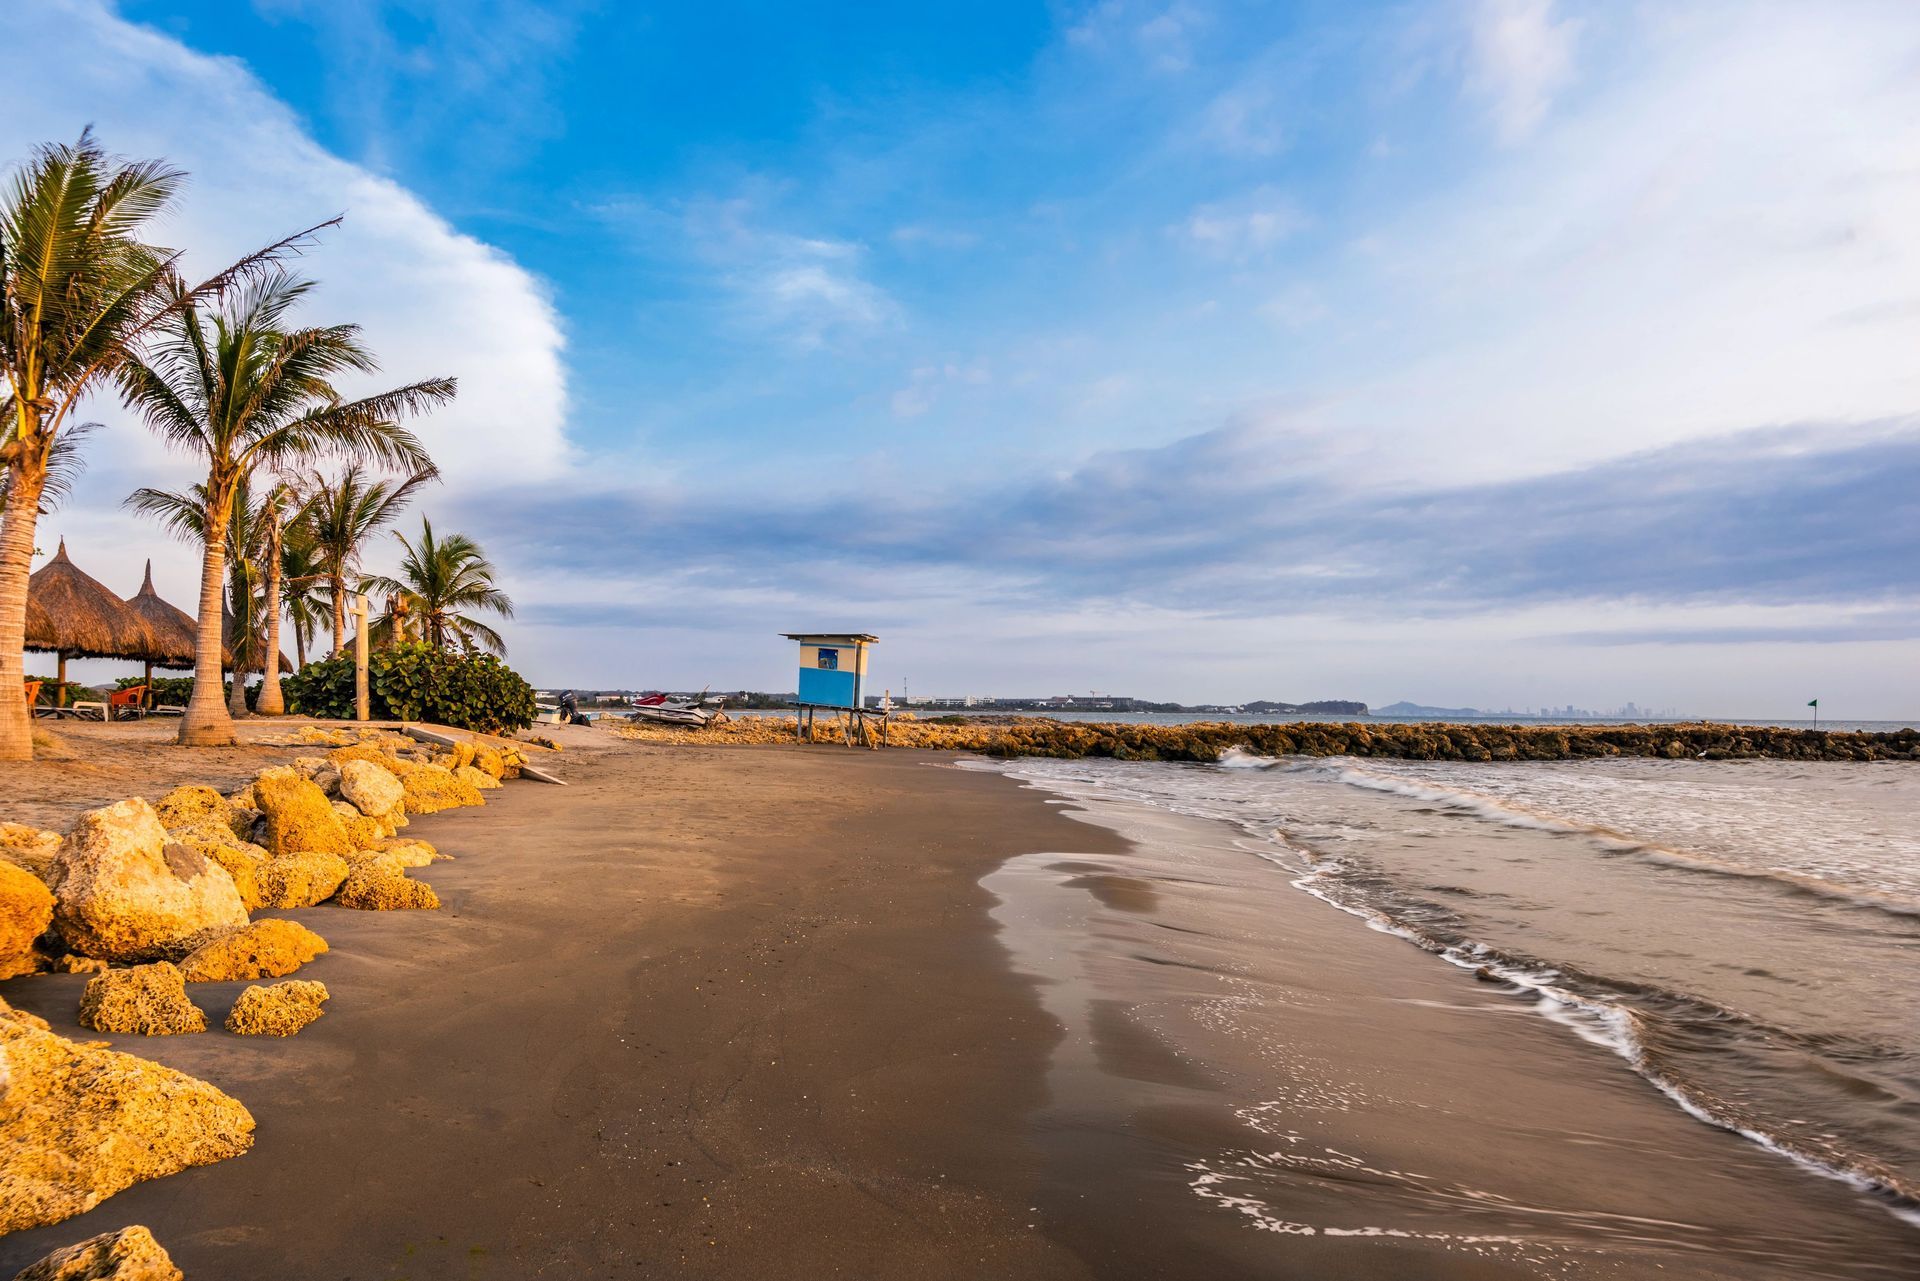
{"x":833,"y":677}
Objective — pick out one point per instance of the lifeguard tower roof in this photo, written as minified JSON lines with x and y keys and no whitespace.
{"x":831,"y":638}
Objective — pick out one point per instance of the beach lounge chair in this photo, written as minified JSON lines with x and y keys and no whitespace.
{"x":33,"y":695}
{"x":127,"y":702}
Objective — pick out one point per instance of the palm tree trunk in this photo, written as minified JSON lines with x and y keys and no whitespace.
{"x":206,"y":722}
{"x":299,"y":644}
{"x":237,"y":697}
{"x":270,"y":703}
{"x":16,"y":564}
{"x":339,"y":586}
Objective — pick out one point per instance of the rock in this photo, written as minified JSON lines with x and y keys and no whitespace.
{"x":301,"y":879}
{"x":488,"y":760}
{"x":194,"y":807}
{"x":263,"y":950}
{"x":431,"y":789}
{"x":463,"y":754}
{"x":376,"y":886}
{"x":243,"y":860}
{"x":145,"y":1000}
{"x":72,"y":964}
{"x":278,"y":1010}
{"x":123,"y":891}
{"x":29,"y":848}
{"x":79,"y":1123}
{"x":299,"y":815}
{"x":26,"y":909}
{"x":370,"y":788}
{"x":131,"y":1254}
{"x":479,"y":779}
{"x":23,"y":1018}
{"x":408,"y":852}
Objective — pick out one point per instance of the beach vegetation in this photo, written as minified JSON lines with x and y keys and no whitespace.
{"x":345,"y":513}
{"x":81,"y":289}
{"x":444,"y":582}
{"x":413,"y":681}
{"x":242,"y":390}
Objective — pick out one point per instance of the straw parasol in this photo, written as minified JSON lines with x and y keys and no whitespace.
{"x":174,"y":631}
{"x":72,"y":615}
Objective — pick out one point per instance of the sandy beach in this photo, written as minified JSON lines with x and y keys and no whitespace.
{"x":749,"y":1012}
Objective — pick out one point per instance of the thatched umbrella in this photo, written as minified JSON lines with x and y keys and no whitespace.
{"x":174,"y":633}
{"x":72,"y":615}
{"x":250,"y":653}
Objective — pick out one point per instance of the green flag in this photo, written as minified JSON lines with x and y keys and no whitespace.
{"x":1814,"y":703}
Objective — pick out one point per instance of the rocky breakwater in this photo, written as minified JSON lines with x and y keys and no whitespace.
{"x":154,"y":898}
{"x":1207,"y":740}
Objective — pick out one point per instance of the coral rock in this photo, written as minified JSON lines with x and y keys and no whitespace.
{"x":408,"y":852}
{"x":26,"y":1020}
{"x":263,"y":950}
{"x":370,"y":788}
{"x":145,"y":1000}
{"x":26,"y":908}
{"x":299,"y":815}
{"x":279,"y":1010}
{"x":194,"y":807}
{"x":123,"y":891}
{"x":431,"y":789}
{"x":489,"y":761}
{"x":478,"y":778}
{"x":376,"y":886}
{"x":29,"y":848}
{"x":301,"y":879}
{"x":131,"y":1254}
{"x":79,"y":1123}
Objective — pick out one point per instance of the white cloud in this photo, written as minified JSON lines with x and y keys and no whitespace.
{"x":431,"y":300}
{"x":1245,"y":120}
{"x":808,"y":291}
{"x":1522,"y":56}
{"x":1243,"y":229}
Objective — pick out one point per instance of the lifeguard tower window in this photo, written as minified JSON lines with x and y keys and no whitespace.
{"x":829,"y":660}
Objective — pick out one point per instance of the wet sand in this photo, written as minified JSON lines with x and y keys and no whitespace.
{"x":752,"y":1013}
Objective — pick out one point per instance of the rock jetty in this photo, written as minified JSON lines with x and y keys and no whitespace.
{"x":1208,"y":740}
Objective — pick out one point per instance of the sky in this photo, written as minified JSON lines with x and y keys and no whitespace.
{"x":1502,"y":353}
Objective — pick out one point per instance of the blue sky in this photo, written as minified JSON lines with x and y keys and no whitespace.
{"x":1503,"y":352}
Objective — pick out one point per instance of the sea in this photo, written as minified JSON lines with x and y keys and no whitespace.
{"x":1744,"y":936}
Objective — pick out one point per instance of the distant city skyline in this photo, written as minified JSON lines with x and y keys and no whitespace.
{"x":1499,"y":352}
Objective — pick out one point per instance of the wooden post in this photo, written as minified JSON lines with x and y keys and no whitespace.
{"x":362,"y":694}
{"x":61,"y":700}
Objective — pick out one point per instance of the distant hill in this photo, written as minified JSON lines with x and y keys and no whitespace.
{"x":1420,"y":709}
{"x":1325,"y":707}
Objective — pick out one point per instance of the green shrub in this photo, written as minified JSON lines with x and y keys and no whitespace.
{"x":168,"y":691}
{"x":417,"y":683}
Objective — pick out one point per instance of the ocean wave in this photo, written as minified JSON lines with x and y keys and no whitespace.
{"x":1463,"y":801}
{"x":1630,"y":1033}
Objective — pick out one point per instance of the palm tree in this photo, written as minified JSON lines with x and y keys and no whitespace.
{"x":79,"y":289}
{"x":280,"y":506}
{"x":300,"y":577}
{"x":242,"y":391}
{"x":439,"y":578}
{"x":183,"y":514}
{"x":343,"y":515}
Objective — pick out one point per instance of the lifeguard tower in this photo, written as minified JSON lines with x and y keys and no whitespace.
{"x":833,"y":678}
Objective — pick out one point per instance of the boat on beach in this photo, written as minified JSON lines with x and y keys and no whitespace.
{"x":665,"y":709}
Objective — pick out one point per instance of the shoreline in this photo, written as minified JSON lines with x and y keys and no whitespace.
{"x":1309,"y":1070}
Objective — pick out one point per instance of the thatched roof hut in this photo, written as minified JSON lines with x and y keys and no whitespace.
{"x":72,"y":615}
{"x":250,"y":652}
{"x":174,"y":632}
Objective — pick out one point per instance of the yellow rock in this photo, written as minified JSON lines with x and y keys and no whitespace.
{"x":408,"y":852}
{"x":26,"y":909}
{"x":300,"y":818}
{"x":376,"y":886}
{"x":431,"y":789}
{"x":277,"y":1010}
{"x":131,"y":1254}
{"x":301,"y":879}
{"x":479,"y":779}
{"x":263,"y":950}
{"x":29,"y":847}
{"x":79,"y":1123}
{"x":194,"y":807}
{"x":22,"y":1017}
{"x":126,"y":891}
{"x":489,"y":761}
{"x":145,"y":1000}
